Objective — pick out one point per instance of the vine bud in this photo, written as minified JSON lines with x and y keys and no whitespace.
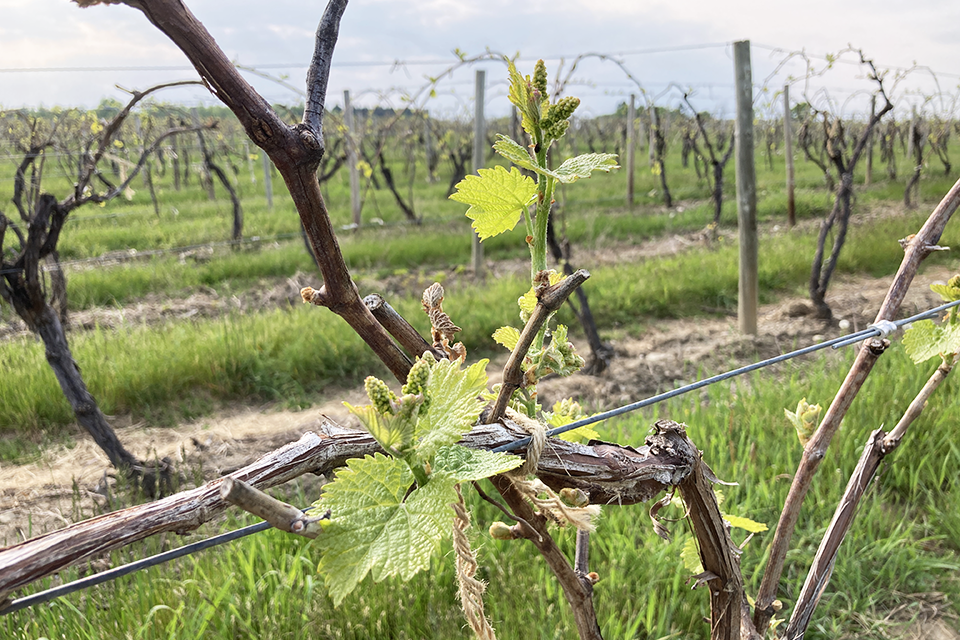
{"x":501,"y":531}
{"x":379,"y":394}
{"x":574,"y":497}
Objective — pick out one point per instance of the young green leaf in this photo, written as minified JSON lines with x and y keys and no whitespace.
{"x":582,"y":166}
{"x":520,"y":94}
{"x":744,"y":523}
{"x":690,"y":556}
{"x":454,"y":407}
{"x":570,"y":171}
{"x":528,"y":301}
{"x":466,"y":465}
{"x":925,"y":340}
{"x":516,"y":154}
{"x":567,"y":411}
{"x":393,"y":433}
{"x":950,"y":292}
{"x":507,"y":336}
{"x":372,"y":529}
{"x":497,"y":198}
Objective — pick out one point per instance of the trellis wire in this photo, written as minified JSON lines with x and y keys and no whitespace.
{"x":132,"y":567}
{"x":835,"y":343}
{"x":160,"y":558}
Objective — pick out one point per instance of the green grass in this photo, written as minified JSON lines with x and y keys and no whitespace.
{"x":385,"y":251}
{"x":905,"y":541}
{"x":187,"y":217}
{"x":174,"y":371}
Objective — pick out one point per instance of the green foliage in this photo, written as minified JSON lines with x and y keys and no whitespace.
{"x":507,"y":336}
{"x":455,"y":406}
{"x":497,"y":199}
{"x":516,"y":154}
{"x":925,"y":340}
{"x":584,"y":165}
{"x":690,"y":554}
{"x":470,"y":465}
{"x":950,"y":292}
{"x":566,"y":411}
{"x":439,"y":405}
{"x":739,"y":522}
{"x":388,"y":515}
{"x":393,"y":432}
{"x":375,"y":528}
{"x":528,"y":301}
{"x":526,"y":97}
{"x":569,"y":171}
{"x":804,"y":420}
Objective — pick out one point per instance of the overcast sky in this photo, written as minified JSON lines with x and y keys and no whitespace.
{"x":50,"y":49}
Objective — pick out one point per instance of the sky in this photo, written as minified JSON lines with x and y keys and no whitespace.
{"x":54,"y":53}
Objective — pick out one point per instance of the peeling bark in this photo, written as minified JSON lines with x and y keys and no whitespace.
{"x":607,"y":473}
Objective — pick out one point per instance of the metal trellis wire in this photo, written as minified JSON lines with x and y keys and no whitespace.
{"x":836,"y":343}
{"x":132,"y":567}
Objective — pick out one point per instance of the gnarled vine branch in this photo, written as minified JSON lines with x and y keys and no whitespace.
{"x":917,"y":248}
{"x":296,"y":151}
{"x":607,"y":473}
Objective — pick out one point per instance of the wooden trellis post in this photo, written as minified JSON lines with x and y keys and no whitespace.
{"x":748,"y":297}
{"x":479,"y":144}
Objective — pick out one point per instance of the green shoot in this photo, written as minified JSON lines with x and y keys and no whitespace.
{"x":499,"y":198}
{"x":388,"y":515}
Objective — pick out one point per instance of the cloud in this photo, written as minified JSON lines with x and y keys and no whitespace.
{"x":56,"y":33}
